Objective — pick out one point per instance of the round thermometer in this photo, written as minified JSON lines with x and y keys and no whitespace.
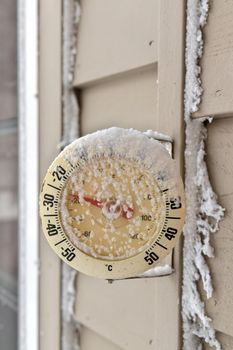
{"x":112,"y":203}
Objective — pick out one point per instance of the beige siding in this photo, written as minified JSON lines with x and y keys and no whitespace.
{"x":217,"y":69}
{"x":130,"y":100}
{"x":226,"y":342}
{"x":217,"y":77}
{"x":123,"y":312}
{"x":220,"y":153}
{"x":129,"y":73}
{"x":92,"y":341}
{"x":106,"y":40}
{"x":50,"y":135}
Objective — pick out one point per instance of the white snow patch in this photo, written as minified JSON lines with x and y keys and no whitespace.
{"x":159,"y":271}
{"x":71,"y":18}
{"x":203,"y":212}
{"x":70,"y":326}
{"x":128,"y":142}
{"x":158,"y":135}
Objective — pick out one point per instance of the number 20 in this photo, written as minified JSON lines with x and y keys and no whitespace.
{"x":59,"y":172}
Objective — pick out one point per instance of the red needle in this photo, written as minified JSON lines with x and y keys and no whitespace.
{"x":126,"y":214}
{"x":93,"y":201}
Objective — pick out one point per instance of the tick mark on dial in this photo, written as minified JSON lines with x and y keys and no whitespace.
{"x":63,"y":240}
{"x":56,"y":188}
{"x":162,"y":246}
{"x":173,"y":217}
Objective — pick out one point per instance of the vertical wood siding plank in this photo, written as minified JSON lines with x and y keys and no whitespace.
{"x":50,"y":132}
{"x":170,"y":121}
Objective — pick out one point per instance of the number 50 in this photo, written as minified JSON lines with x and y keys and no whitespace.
{"x":151,"y":258}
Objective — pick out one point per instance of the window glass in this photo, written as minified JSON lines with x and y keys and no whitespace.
{"x":8,"y":175}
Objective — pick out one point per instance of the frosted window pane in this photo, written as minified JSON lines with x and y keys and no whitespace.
{"x":8,"y":176}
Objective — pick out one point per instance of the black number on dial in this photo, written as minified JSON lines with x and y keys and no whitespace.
{"x":151,"y":258}
{"x":175,"y":203}
{"x":146,"y":217}
{"x":51,"y":228}
{"x":171,"y":232}
{"x":48,"y":200}
{"x":58,"y":173}
{"x":68,"y":254}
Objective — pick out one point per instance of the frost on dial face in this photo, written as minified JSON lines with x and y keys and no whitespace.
{"x":111,"y":208}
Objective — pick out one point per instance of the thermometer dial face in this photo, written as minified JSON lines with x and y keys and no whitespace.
{"x":112,"y":204}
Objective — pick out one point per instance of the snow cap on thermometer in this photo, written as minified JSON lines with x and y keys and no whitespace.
{"x":112,"y":203}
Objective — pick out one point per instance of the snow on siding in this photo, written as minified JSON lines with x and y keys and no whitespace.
{"x":158,"y":271}
{"x":71,"y":17}
{"x":70,"y":327}
{"x":203,"y":211}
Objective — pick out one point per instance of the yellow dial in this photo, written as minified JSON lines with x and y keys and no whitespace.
{"x":112,"y":204}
